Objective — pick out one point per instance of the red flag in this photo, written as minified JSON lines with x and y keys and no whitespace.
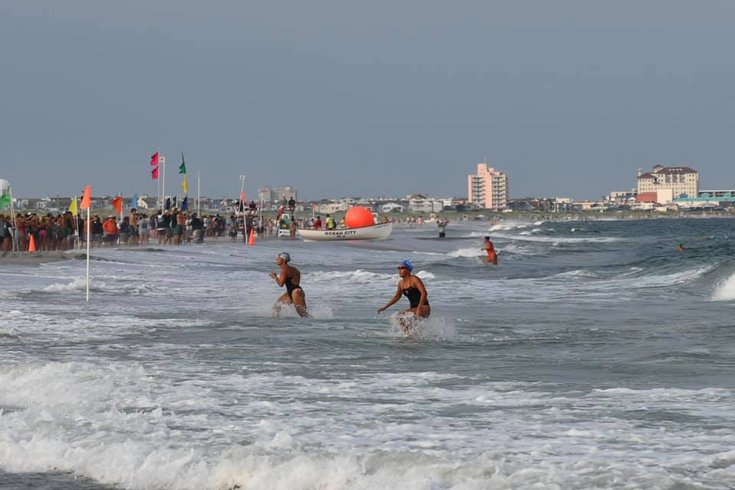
{"x":242,"y":196}
{"x":154,"y":173}
{"x":87,"y":198}
{"x":117,"y":204}
{"x":154,"y":159}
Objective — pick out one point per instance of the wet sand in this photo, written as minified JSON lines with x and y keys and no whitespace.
{"x":26,"y":258}
{"x":48,"y":481}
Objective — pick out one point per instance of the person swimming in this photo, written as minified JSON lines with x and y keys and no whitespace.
{"x":412,"y":287}
{"x":492,"y":256}
{"x":291,"y":278}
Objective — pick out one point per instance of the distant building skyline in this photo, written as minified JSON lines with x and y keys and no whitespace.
{"x":663,"y":184}
{"x":488,"y":188}
{"x":278,"y":194}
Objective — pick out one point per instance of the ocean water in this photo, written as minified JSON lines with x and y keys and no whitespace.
{"x":594,"y":356}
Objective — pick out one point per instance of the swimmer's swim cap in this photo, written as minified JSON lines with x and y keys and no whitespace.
{"x":487,"y":238}
{"x":285,"y":256}
{"x":407,"y":264}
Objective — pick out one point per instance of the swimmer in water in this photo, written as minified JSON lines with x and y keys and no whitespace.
{"x":290,"y":277}
{"x":412,"y":287}
{"x":680,"y":247}
{"x":492,"y":256}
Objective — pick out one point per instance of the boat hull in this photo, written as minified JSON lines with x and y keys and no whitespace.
{"x":375,"y":232}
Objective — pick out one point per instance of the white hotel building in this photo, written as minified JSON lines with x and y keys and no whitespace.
{"x":664,"y":184}
{"x":488,"y":187}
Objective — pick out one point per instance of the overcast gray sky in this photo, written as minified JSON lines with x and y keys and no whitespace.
{"x":379,"y":97}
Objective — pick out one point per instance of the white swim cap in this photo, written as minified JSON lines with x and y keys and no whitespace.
{"x":285,"y":256}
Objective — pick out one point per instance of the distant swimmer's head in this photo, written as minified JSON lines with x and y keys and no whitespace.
{"x":487,"y":238}
{"x":285,"y":256}
{"x":406,"y":264}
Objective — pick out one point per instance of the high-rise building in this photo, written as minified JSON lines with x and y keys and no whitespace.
{"x":278,"y":194}
{"x":488,"y":187}
{"x":663,"y":184}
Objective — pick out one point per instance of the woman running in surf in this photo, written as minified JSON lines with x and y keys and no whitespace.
{"x":412,"y":287}
{"x":290,"y":277}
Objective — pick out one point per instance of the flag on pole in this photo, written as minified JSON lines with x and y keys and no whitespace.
{"x":117,"y":204}
{"x":154,"y":173}
{"x":155,"y":159}
{"x":182,"y":170}
{"x":142,"y":204}
{"x":87,"y":198}
{"x":73,"y":206}
{"x":5,"y":198}
{"x":242,"y":196}
{"x":134,"y":201}
{"x":182,"y":167}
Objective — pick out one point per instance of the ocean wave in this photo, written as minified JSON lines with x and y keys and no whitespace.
{"x":360,"y":276}
{"x":557,"y":240}
{"x":514,"y":225}
{"x":466,"y":252}
{"x":78,"y":284}
{"x":725,"y":290}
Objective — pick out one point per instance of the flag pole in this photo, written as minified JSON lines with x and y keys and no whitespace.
{"x":88,"y":226}
{"x":199,"y":185}
{"x":162,"y":159}
{"x":241,"y":209}
{"x":14,"y":228}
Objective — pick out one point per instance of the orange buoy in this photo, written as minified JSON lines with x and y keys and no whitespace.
{"x":251,"y":239}
{"x":358,"y":217}
{"x":32,"y":245}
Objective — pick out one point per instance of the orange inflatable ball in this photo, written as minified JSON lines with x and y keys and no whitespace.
{"x":358,"y":217}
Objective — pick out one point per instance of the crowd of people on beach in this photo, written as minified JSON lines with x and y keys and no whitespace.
{"x":173,"y":226}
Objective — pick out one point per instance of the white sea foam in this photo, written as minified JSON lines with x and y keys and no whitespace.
{"x":467,"y":252}
{"x":129,"y":426}
{"x":513,"y":225}
{"x":78,"y":284}
{"x":559,"y":240}
{"x":423,"y":328}
{"x":356,"y":276}
{"x":725,"y":291}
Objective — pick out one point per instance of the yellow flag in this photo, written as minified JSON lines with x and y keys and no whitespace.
{"x":185,"y":185}
{"x":73,"y":206}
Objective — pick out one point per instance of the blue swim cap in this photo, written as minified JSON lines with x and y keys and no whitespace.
{"x":407,"y":264}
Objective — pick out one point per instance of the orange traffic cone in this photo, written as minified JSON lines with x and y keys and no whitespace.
{"x":32,"y":245}
{"x":251,"y":240}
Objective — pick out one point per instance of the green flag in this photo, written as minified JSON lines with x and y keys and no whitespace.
{"x":182,"y":167}
{"x":4,"y":200}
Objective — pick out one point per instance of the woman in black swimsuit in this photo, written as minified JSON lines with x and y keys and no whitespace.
{"x":412,"y":287}
{"x":290,"y":277}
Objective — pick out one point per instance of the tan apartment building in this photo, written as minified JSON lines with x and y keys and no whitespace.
{"x":488,"y":187}
{"x":663,"y":184}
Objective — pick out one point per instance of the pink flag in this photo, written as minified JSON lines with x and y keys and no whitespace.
{"x":87,"y":198}
{"x":154,"y":160}
{"x":154,"y":173}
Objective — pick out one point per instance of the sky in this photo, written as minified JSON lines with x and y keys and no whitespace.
{"x":364,"y":98}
